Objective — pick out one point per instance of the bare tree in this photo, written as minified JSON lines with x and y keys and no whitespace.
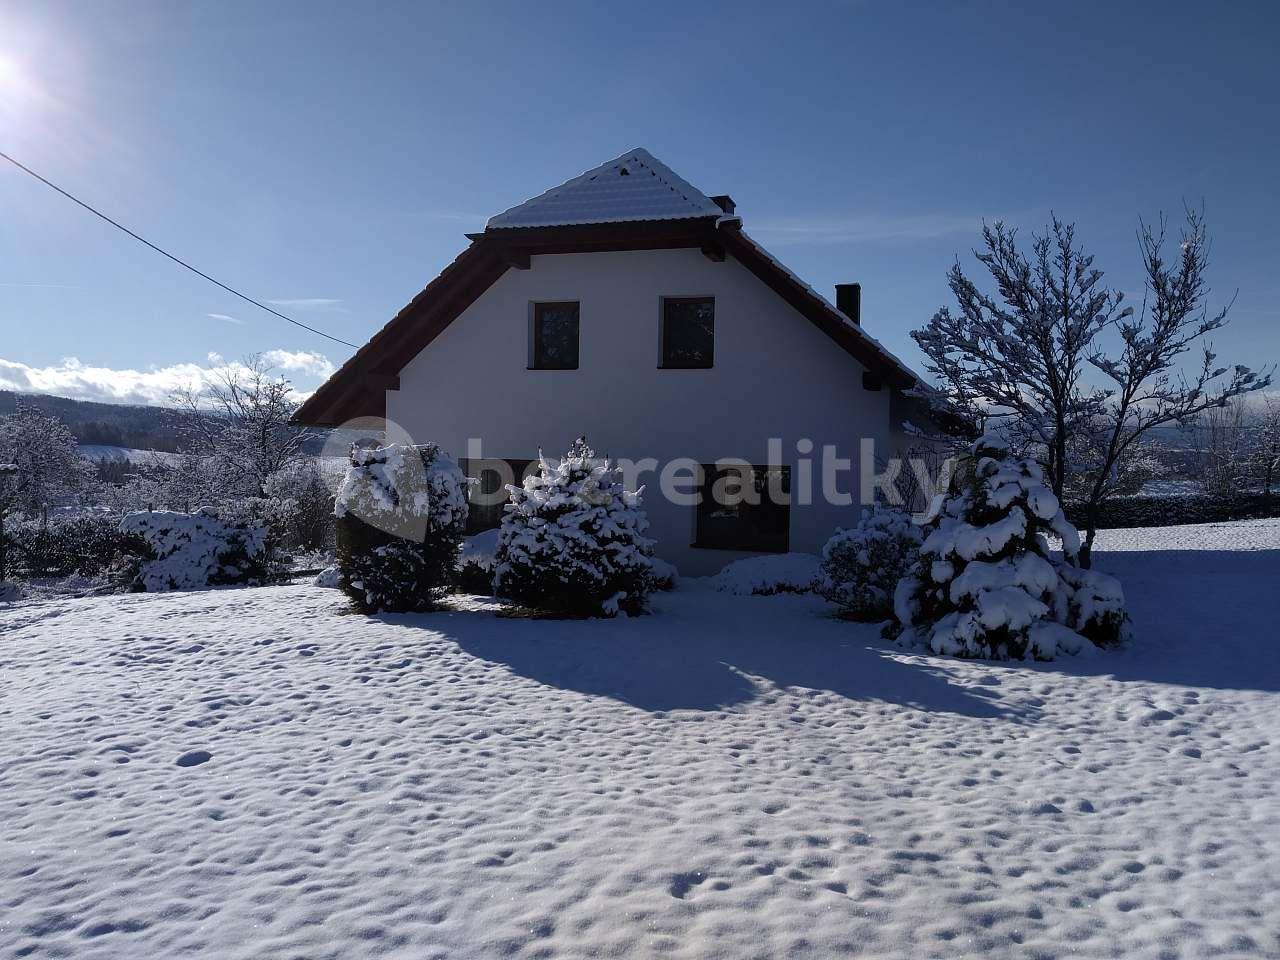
{"x":1264,"y":452}
{"x":1174,"y":318}
{"x":47,"y":458}
{"x":242,"y":427}
{"x":1023,"y":352}
{"x":39,"y":465}
{"x":1221,"y":438}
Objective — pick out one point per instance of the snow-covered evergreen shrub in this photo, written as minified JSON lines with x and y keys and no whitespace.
{"x":986,"y":584}
{"x":768,"y":575}
{"x":272,"y":514}
{"x":88,"y":544}
{"x":474,"y":572}
{"x":401,"y":511}
{"x":1096,"y":607}
{"x":572,"y":539}
{"x":664,"y":574}
{"x":861,"y":566}
{"x":191,"y":551}
{"x":330,"y":578}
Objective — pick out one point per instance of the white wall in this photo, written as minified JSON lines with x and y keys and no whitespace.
{"x":775,"y":375}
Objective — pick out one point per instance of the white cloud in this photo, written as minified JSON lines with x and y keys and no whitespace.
{"x":226,"y":317}
{"x":301,"y":361}
{"x":154,"y":386}
{"x":314,"y":304}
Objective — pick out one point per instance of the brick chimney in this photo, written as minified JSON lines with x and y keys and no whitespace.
{"x":849,"y":301}
{"x":725,"y":203}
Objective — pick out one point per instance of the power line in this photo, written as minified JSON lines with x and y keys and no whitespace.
{"x":180,"y":262}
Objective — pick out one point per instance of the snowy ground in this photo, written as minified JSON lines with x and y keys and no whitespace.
{"x":252,"y":773}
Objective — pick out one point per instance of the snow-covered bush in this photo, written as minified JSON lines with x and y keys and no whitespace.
{"x":88,"y":544}
{"x":191,"y":551}
{"x":302,"y":515}
{"x":572,"y":539}
{"x":767,"y":575}
{"x":861,"y":566}
{"x":330,"y":578}
{"x":986,"y":584}
{"x":474,"y":573}
{"x":1096,"y":607}
{"x":664,"y":574}
{"x":401,"y":511}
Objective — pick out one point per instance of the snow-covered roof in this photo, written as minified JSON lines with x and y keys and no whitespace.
{"x":634,"y":186}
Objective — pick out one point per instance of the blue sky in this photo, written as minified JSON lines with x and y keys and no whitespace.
{"x":329,"y":157}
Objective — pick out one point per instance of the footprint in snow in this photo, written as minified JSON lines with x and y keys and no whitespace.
{"x":194,"y":758}
{"x":682,"y":883}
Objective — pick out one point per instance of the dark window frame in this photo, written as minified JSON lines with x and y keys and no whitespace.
{"x":769,"y":532}
{"x":666,"y":362}
{"x":537,"y":309}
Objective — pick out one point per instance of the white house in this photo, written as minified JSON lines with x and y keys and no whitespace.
{"x":627,"y":306}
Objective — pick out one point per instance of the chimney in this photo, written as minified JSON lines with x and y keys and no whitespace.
{"x":725,"y":203}
{"x":849,"y":301}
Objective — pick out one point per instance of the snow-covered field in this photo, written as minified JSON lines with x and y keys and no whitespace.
{"x":254,"y":773}
{"x":102,"y":451}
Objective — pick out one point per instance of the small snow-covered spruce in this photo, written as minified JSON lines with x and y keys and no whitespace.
{"x":192,"y":551}
{"x":986,"y":584}
{"x":572,"y":539}
{"x":665,"y":574}
{"x":474,"y":571}
{"x":401,"y":511}
{"x":861,"y":566}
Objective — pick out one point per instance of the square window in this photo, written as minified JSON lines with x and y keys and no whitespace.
{"x":744,"y":508}
{"x":688,"y":332}
{"x":555,"y":336}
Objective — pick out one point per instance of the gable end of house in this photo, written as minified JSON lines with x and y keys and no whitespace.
{"x":586,"y":214}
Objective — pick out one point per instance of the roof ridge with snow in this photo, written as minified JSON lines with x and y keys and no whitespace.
{"x":633,"y":186}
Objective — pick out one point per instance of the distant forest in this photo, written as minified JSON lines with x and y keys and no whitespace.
{"x":113,"y":424}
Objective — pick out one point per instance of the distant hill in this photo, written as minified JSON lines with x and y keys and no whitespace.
{"x":136,"y":428}
{"x":107,"y":424}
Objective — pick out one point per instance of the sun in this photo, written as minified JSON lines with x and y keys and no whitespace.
{"x":12,"y":79}
{"x":17,"y":94}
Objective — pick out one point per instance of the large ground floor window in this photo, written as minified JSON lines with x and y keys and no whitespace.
{"x":744,"y":508}
{"x":488,"y":497}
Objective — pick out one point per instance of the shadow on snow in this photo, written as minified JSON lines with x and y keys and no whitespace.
{"x":1201,"y":618}
{"x":705,"y":651}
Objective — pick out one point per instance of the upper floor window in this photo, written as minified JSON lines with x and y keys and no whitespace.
{"x":554,"y":336}
{"x":688,"y":331}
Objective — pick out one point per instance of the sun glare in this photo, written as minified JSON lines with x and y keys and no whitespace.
{"x":11,"y":80}
{"x":17,"y":94}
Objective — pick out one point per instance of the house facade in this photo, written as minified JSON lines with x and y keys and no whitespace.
{"x":627,"y":306}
